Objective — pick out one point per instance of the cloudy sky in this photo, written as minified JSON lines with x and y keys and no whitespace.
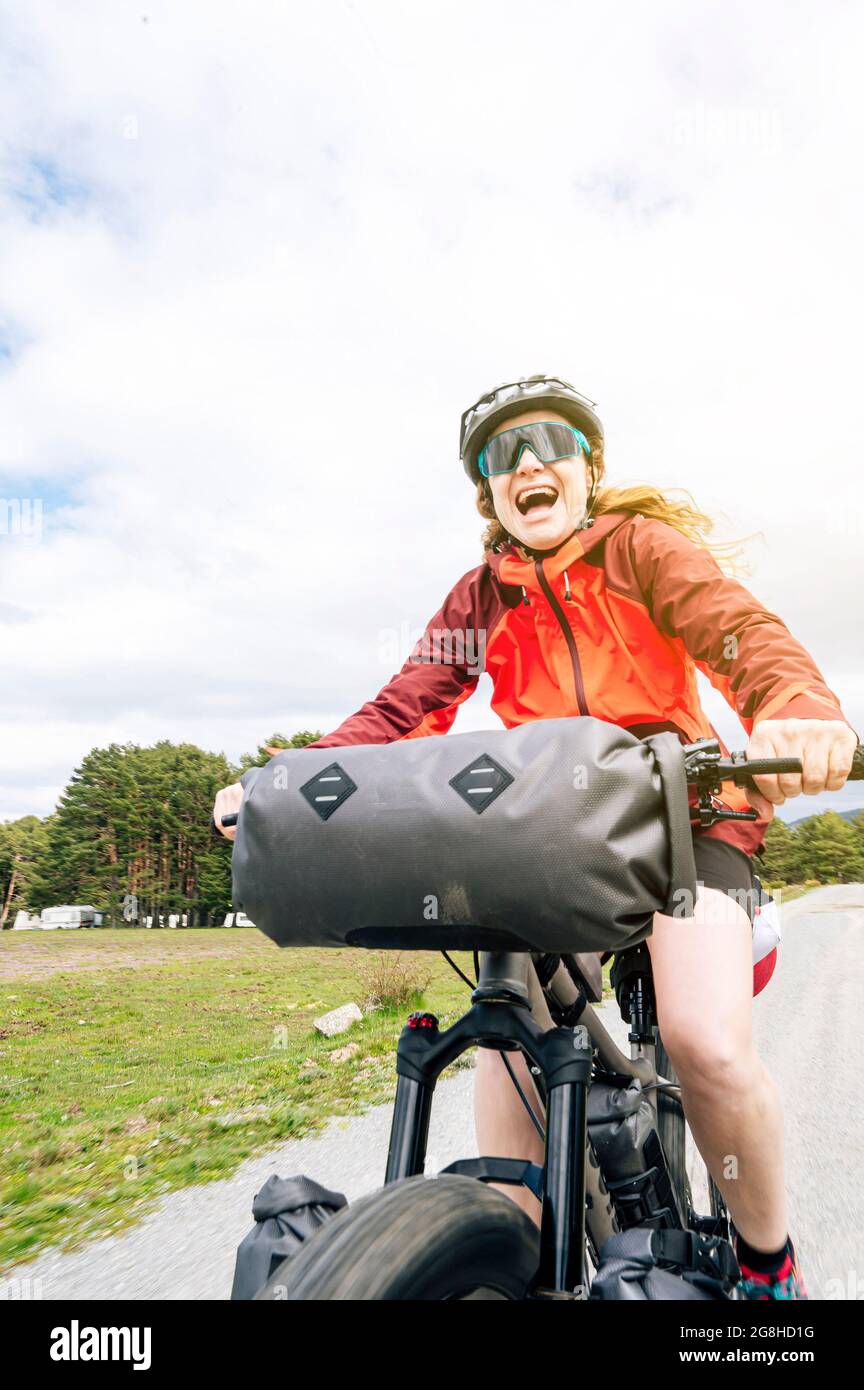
{"x":256,"y":260}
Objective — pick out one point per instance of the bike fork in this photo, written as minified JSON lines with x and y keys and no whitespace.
{"x":500,"y":1018}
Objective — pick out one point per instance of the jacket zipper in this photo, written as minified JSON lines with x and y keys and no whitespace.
{"x":568,"y":636}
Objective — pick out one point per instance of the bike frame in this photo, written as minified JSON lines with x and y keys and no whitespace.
{"x":509,"y":1013}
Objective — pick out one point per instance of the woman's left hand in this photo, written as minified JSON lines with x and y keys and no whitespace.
{"x":824,"y":747}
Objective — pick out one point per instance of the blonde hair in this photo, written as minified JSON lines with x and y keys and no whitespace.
{"x":640,"y":499}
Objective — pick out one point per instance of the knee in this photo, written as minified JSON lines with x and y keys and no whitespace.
{"x":711,"y":1059}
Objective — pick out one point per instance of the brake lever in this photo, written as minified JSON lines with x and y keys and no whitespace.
{"x":707,"y":769}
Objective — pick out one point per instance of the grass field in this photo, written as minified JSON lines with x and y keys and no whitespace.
{"x":133,"y":1063}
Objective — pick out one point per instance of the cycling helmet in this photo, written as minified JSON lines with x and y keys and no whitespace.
{"x":511,"y":398}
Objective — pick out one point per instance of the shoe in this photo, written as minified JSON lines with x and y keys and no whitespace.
{"x":786,"y":1283}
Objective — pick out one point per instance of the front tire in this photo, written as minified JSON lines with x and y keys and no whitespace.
{"x":448,"y":1237}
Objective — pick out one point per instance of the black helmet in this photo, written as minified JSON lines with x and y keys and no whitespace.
{"x":512,"y":398}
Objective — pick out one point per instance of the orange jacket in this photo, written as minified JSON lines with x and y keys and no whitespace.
{"x":613,"y":625}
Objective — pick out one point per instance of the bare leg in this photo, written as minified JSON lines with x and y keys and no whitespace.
{"x":703,"y":979}
{"x":502,"y":1125}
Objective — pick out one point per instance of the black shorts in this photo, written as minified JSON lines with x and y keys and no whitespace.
{"x":722,"y":866}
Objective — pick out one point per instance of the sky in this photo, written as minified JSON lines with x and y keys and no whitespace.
{"x":255,"y":260}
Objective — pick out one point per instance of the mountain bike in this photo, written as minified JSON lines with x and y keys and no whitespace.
{"x":450,"y":1236}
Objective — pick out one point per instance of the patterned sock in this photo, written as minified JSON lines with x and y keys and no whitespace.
{"x":765,"y":1267}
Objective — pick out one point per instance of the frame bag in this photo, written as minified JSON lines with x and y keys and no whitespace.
{"x":623,"y":1132}
{"x":558,"y":835}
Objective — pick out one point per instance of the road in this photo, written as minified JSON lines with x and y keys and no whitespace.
{"x":807,"y":1023}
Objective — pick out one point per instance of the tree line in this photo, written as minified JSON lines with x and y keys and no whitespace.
{"x":824,"y":848}
{"x":133,"y":826}
{"x":131,"y":829}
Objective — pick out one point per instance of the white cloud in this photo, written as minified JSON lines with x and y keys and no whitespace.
{"x":258,"y":262}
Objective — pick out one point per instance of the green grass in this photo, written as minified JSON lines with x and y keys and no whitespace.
{"x":788,"y":893}
{"x":133,"y":1063}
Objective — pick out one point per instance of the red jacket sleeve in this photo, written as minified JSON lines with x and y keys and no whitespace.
{"x":746,"y":650}
{"x":440,"y":673}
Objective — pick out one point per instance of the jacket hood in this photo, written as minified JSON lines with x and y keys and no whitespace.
{"x":514,"y":566}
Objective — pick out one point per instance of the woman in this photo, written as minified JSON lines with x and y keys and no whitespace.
{"x":604,"y":601}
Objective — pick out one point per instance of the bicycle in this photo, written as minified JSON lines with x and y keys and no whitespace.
{"x":450,"y":1237}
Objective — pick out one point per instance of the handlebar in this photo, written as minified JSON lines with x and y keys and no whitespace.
{"x":707,"y":769}
{"x":705,"y":765}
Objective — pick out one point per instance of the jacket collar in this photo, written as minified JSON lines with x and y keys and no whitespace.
{"x":513,"y":565}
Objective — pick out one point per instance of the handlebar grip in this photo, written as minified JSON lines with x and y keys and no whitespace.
{"x":857,"y":772}
{"x":230,"y":819}
{"x":765,"y":767}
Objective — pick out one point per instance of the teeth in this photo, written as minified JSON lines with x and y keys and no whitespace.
{"x":541,"y":491}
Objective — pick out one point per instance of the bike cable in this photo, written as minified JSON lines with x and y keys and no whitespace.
{"x":524,"y":1099}
{"x":522,"y":1096}
{"x":459,"y":972}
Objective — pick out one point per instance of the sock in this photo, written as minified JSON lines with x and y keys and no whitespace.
{"x":771,"y":1263}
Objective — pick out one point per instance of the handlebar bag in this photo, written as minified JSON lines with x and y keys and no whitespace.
{"x":561,"y":835}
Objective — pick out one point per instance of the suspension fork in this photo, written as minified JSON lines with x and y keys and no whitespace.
{"x":500,"y":1018}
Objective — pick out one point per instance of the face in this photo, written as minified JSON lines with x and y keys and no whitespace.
{"x":541,"y":504}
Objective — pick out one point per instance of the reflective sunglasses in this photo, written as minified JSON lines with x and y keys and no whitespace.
{"x":547,"y":439}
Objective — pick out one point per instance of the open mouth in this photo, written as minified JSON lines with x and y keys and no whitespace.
{"x":536,"y":497}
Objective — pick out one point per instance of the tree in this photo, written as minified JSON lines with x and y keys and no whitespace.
{"x":134,"y":823}
{"x":22,"y":846}
{"x":274,"y":744}
{"x":832,"y":849}
{"x":782,"y":857}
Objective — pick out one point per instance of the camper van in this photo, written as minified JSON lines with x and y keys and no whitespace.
{"x":68,"y":918}
{"x":26,"y":921}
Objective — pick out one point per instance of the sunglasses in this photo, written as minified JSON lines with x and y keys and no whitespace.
{"x":547,"y":439}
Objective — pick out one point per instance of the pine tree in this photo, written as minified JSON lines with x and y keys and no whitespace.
{"x":133,"y":827}
{"x":274,"y":744}
{"x":22,"y":847}
{"x":832,"y":849}
{"x":782,"y":858}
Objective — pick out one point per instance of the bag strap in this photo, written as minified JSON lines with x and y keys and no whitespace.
{"x":669,"y":757}
{"x":704,"y":1254}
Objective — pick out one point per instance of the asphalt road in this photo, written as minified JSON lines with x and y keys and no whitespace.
{"x":807,"y":1025}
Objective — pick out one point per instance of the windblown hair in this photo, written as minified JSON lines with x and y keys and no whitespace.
{"x":641,"y":499}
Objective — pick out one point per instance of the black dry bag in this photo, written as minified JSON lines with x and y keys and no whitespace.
{"x":623,"y":1133}
{"x":644,"y":1264}
{"x":558,"y":835}
{"x":287,"y":1211}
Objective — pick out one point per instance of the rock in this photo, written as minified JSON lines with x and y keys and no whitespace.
{"x":338,"y":1020}
{"x":343,"y":1053}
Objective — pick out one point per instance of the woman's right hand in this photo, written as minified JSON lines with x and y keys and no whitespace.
{"x":227,"y":801}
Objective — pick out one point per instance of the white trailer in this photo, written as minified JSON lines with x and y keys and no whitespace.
{"x":68,"y":917}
